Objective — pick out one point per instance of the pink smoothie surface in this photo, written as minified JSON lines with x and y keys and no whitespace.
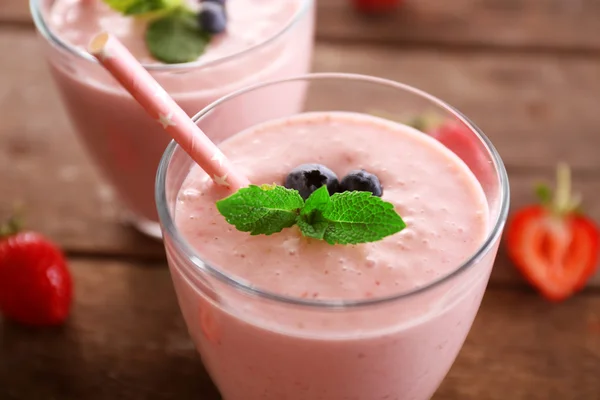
{"x":260,"y":349}
{"x":265,"y":40}
{"x":250,"y":22}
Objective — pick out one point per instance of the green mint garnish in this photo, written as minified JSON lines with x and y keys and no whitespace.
{"x":176,"y":38}
{"x":140,"y":7}
{"x":173,"y":34}
{"x":344,"y":218}
{"x":360,"y":217}
{"x":311,"y":221}
{"x":265,"y":209}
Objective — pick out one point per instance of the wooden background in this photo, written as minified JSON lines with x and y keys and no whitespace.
{"x":526,"y":71}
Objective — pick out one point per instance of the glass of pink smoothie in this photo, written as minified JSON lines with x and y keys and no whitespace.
{"x":285,"y":317}
{"x":265,"y":40}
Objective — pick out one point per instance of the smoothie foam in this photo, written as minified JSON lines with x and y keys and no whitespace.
{"x":250,"y":22}
{"x":255,"y":349}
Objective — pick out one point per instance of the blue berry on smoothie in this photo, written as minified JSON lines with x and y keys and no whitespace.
{"x":307,"y":178}
{"x":212,"y":16}
{"x":362,"y":181}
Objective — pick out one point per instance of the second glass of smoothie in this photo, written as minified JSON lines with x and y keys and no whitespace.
{"x":287,"y":317}
{"x":265,"y":40}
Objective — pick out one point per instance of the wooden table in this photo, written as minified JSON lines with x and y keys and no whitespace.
{"x":526,"y":71}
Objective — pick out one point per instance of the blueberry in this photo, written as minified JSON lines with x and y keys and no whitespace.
{"x":362,"y":181}
{"x":212,"y":17}
{"x":307,"y":178}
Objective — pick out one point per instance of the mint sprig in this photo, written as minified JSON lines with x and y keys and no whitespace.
{"x":173,"y":34}
{"x":344,"y":218}
{"x":261,"y":209}
{"x":176,"y":37}
{"x":311,"y":221}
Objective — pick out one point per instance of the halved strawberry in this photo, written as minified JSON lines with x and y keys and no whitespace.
{"x":553,"y":245}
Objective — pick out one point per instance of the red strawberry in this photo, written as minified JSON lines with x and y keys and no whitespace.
{"x":457,"y":137}
{"x":35,"y":284}
{"x":552,"y":244}
{"x":461,"y":140}
{"x":375,"y":6}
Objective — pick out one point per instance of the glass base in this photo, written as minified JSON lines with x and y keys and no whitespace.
{"x":145,"y":226}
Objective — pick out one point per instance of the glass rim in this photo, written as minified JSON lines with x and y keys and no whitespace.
{"x":183,"y":247}
{"x":42,"y":27}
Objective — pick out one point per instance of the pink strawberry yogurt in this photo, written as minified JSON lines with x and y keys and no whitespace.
{"x":259,"y":349}
{"x":265,"y":40}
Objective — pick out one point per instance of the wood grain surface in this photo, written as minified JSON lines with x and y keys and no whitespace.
{"x":530,"y":25}
{"x":526,"y":71}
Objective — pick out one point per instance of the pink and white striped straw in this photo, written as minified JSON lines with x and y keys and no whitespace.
{"x":122,"y":65}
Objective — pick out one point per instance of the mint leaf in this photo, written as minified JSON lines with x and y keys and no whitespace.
{"x":176,"y":38}
{"x":139,"y":7}
{"x":348,"y":217}
{"x":359,"y":217}
{"x":311,"y":221}
{"x":147,"y":6}
{"x":344,"y":218}
{"x":265,"y":209}
{"x":318,"y":200}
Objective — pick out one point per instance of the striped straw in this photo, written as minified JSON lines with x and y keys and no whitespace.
{"x":125,"y":68}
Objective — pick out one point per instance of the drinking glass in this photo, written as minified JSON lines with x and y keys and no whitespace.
{"x":125,"y":144}
{"x":259,"y":345}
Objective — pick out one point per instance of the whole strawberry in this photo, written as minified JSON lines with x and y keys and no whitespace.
{"x":36,"y":287}
{"x":458,"y":137}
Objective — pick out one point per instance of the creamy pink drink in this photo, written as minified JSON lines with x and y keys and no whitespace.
{"x":257,"y":350}
{"x":265,"y":40}
{"x":285,"y":317}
